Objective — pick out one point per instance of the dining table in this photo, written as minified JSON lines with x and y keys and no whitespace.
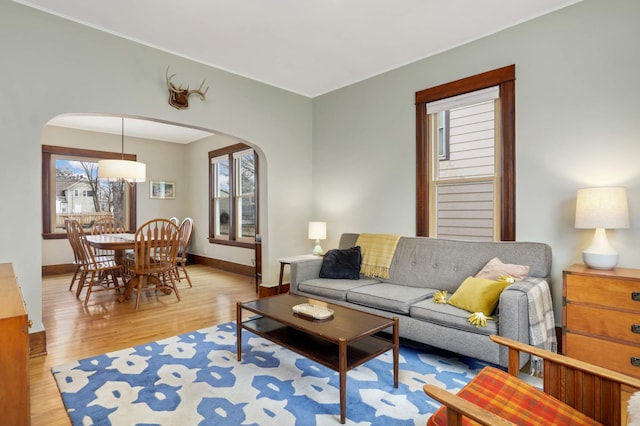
{"x":116,"y":242}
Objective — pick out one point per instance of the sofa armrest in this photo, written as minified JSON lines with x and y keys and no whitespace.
{"x":514,"y":316}
{"x":303,"y":270}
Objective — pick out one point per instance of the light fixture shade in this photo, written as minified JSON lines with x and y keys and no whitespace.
{"x":131,"y":171}
{"x":317,"y":230}
{"x":604,"y":207}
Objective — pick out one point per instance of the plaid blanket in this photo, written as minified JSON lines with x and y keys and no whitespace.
{"x":512,"y":399}
{"x":377,"y":253}
{"x":542,"y":326}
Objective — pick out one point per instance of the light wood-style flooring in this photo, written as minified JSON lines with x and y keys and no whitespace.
{"x":75,"y":331}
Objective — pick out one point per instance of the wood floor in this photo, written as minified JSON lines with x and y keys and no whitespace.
{"x":75,"y":331}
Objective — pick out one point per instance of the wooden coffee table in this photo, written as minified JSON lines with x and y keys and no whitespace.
{"x":341,"y":343}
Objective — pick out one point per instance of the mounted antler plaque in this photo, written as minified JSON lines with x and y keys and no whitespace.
{"x":179,"y":97}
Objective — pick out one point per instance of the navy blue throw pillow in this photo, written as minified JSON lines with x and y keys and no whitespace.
{"x":342,"y":264}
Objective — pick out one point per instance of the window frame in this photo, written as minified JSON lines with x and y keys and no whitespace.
{"x":232,"y":240}
{"x":503,"y":77}
{"x":48,"y":152}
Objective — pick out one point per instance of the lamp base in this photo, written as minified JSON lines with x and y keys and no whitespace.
{"x":600,"y":254}
{"x":599,"y":260}
{"x":317,"y":250}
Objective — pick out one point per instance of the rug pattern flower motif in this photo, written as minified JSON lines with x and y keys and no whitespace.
{"x":195,"y":379}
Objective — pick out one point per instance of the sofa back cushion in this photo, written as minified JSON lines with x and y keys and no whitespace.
{"x":444,"y":264}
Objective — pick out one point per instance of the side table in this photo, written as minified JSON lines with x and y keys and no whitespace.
{"x":287,"y":261}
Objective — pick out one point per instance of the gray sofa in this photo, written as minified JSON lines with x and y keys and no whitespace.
{"x":420,"y":267}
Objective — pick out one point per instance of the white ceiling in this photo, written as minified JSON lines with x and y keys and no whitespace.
{"x":133,"y":127}
{"x":308,"y":47}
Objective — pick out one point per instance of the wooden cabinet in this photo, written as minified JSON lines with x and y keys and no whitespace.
{"x":601,"y":317}
{"x":15,"y":408}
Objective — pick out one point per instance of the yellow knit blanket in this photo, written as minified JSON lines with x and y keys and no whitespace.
{"x":377,"y":253}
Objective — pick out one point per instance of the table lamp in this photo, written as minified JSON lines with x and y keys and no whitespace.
{"x":600,"y":209}
{"x":317,"y":231}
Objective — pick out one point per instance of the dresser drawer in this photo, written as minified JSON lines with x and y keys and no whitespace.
{"x":604,"y":291}
{"x":604,"y":323}
{"x":614,"y":356}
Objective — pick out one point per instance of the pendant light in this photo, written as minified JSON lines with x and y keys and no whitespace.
{"x":130,"y":171}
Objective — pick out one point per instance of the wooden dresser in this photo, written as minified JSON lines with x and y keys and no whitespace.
{"x":15,"y":404}
{"x":601,"y":317}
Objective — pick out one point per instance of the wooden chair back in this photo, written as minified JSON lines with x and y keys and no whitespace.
{"x":156,"y":247}
{"x":108,"y":225}
{"x":175,"y":220}
{"x":186,"y":229}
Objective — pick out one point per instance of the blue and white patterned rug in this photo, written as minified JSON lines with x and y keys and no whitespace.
{"x":195,"y":379}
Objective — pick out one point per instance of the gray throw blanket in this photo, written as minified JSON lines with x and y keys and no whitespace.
{"x":542,"y":326}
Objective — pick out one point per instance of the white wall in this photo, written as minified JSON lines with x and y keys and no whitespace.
{"x":577,"y":125}
{"x":51,"y":66}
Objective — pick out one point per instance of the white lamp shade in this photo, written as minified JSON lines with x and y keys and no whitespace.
{"x":604,"y":207}
{"x":317,"y":230}
{"x":131,"y":171}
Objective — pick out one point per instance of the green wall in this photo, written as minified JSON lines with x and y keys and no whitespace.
{"x":577,"y":125}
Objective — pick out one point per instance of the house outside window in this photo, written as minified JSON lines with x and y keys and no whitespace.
{"x":464,"y":180}
{"x":233,"y":196}
{"x":465,"y":147}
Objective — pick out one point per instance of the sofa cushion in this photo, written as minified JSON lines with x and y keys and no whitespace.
{"x":389,"y":297}
{"x":478,"y":295}
{"x":342,"y":264}
{"x":450,"y":316}
{"x":494,"y":269}
{"x":332,"y":288}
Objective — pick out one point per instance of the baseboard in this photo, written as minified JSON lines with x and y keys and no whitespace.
{"x":250,"y":271}
{"x":38,"y":343}
{"x":64,"y":268}
{"x":236,"y":268}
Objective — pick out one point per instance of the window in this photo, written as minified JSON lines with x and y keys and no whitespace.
{"x":71,"y":190}
{"x":234,"y":196}
{"x":466,"y":158}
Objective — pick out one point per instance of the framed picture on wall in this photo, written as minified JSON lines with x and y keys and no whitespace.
{"x":163,"y":190}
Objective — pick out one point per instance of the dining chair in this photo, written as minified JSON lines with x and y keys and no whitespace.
{"x":175,"y":221}
{"x":96,"y":273}
{"x":77,"y":256}
{"x":154,"y":258}
{"x":107,"y":225}
{"x":186,"y":229}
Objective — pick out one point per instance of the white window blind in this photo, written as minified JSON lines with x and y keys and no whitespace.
{"x":482,"y":95}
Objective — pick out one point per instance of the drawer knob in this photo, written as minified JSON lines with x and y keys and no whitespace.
{"x":635,"y":361}
{"x":635,"y":295}
{"x":635,"y":328}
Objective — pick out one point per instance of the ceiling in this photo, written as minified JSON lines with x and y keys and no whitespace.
{"x":133,"y":127}
{"x":309,"y":47}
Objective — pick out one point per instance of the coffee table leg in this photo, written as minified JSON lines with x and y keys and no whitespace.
{"x":239,"y":331}
{"x":342,"y":361}
{"x":396,"y":350}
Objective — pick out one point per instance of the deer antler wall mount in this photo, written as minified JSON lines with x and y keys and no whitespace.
{"x":179,"y":97}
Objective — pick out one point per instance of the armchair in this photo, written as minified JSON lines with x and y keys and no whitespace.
{"x":580,"y":392}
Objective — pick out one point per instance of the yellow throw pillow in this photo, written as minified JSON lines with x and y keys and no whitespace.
{"x":478,"y":295}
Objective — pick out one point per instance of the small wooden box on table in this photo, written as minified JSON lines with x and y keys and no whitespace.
{"x":341,"y":343}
